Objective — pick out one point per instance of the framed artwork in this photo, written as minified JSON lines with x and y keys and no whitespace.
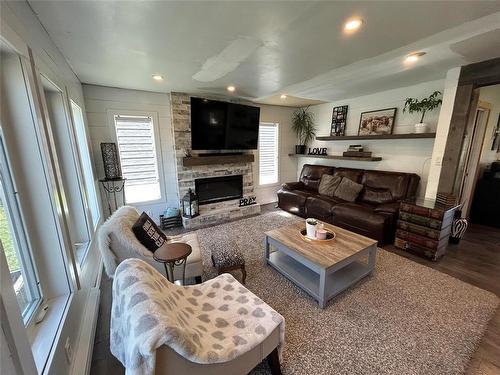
{"x":495,"y":145}
{"x":339,"y":118}
{"x":379,"y":122}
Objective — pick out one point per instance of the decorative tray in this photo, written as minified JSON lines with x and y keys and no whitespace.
{"x":330,"y":236}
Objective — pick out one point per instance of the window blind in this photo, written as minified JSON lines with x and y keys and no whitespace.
{"x":136,"y":146}
{"x":268,"y":153}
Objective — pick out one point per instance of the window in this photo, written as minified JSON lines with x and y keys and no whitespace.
{"x":268,"y":153}
{"x":138,"y":158}
{"x":86,"y":163}
{"x":14,"y":244}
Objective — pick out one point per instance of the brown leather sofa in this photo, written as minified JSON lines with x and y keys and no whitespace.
{"x":373,"y":214}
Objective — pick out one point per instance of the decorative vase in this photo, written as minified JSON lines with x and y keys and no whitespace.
{"x":421,"y":128}
{"x":458,"y":229}
{"x":300,"y":149}
{"x":111,"y":161}
{"x":311,"y":225}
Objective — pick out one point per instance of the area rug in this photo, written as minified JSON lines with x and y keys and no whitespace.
{"x":404,"y":319}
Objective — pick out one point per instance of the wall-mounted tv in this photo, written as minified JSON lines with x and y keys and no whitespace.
{"x":219,"y":125}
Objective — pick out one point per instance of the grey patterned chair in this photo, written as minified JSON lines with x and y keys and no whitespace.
{"x":217,"y":327}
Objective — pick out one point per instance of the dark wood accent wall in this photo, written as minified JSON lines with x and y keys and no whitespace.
{"x":472,"y":76}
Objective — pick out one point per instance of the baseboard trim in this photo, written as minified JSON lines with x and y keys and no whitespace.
{"x":83,"y":352}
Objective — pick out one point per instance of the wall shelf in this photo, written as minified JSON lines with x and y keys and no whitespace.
{"x":376,"y":137}
{"x":191,"y":161}
{"x":337,"y":157}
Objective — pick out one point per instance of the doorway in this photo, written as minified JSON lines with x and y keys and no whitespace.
{"x":481,"y":157}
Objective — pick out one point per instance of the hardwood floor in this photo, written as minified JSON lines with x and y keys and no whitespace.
{"x":476,"y":260}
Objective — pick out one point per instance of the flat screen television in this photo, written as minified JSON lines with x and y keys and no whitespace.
{"x":219,"y":125}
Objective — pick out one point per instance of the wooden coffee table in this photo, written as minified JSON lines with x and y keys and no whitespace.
{"x":322,"y":270}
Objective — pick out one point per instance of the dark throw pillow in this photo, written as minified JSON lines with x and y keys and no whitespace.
{"x":328,"y":184}
{"x":348,"y":190}
{"x":376,"y":195}
{"x":148,"y":233}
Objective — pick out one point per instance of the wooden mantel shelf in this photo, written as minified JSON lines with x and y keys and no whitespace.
{"x":337,"y":157}
{"x":376,"y":137}
{"x":191,"y":161}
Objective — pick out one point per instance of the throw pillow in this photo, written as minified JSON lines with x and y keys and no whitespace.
{"x":148,"y":233}
{"x":348,"y":190}
{"x":376,"y":195}
{"x":328,"y":184}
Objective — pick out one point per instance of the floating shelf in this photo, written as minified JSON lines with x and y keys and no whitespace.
{"x":191,"y":161}
{"x":338,"y":157}
{"x":376,"y":137}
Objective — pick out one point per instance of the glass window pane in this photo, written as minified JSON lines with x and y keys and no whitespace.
{"x":137,"y":149}
{"x":88,"y":173}
{"x":268,"y":153}
{"x":21,"y":273}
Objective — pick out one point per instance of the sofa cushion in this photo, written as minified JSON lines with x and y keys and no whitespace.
{"x":362,"y":220}
{"x":311,"y":175}
{"x":320,"y":207}
{"x":148,"y":233}
{"x":328,"y":184}
{"x":373,"y":195}
{"x":352,"y":174}
{"x":395,"y":182}
{"x":348,"y":190}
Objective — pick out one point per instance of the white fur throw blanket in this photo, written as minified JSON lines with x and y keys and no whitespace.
{"x":213,"y":322}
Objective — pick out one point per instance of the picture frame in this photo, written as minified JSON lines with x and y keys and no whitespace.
{"x":339,"y":120}
{"x":378,"y":122}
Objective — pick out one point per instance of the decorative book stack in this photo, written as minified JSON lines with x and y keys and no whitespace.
{"x":357,"y":151}
{"x":424,"y":227}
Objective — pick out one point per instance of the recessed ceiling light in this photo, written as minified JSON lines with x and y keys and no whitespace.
{"x":283,"y":96}
{"x":353,"y":24}
{"x":231,"y":88}
{"x":158,"y":77}
{"x":413,"y":57}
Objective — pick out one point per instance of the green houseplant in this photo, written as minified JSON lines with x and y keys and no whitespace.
{"x":304,"y":127}
{"x":424,"y":105}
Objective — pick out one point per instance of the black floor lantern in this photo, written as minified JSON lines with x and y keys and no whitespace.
{"x":190,"y":205}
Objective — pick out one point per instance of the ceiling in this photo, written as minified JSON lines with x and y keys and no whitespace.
{"x":269,"y":48}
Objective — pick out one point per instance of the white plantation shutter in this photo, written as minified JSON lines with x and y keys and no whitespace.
{"x":136,"y":146}
{"x":268,"y":153}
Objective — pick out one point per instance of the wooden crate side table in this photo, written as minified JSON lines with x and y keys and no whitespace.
{"x":424,"y":227}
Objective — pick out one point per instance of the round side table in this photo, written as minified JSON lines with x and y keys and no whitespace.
{"x":171,"y":255}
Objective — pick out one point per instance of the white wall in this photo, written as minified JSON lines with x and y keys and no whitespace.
{"x":402,"y":155}
{"x":287,"y":165}
{"x":490,"y":94}
{"x":100,"y":100}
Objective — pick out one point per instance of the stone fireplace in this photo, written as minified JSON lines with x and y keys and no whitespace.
{"x":214,"y":179}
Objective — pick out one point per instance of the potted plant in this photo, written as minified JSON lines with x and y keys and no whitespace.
{"x":304,"y":127}
{"x":424,"y":105}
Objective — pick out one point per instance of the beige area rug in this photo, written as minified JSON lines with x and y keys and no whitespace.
{"x":404,"y":319}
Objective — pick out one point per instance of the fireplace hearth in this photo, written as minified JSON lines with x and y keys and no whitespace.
{"x":218,"y":189}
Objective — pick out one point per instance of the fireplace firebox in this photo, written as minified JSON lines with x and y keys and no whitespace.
{"x":218,"y":189}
